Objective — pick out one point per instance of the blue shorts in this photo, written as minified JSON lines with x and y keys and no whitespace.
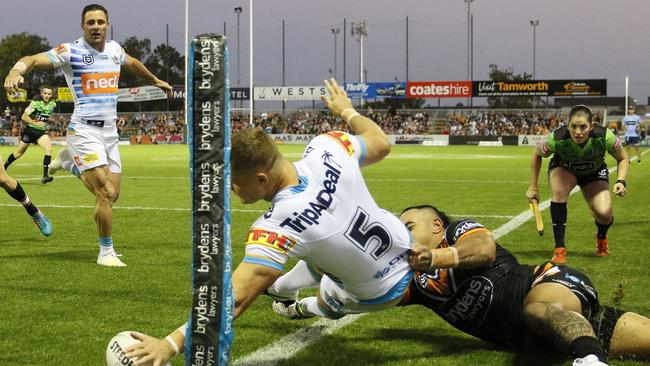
{"x":632,"y":140}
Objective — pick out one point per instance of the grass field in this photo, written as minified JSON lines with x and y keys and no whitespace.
{"x":60,"y":308}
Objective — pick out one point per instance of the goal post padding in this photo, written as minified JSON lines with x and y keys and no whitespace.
{"x":210,"y":328}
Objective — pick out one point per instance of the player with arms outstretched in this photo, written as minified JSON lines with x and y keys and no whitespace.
{"x":91,"y":66}
{"x":36,"y":116}
{"x":477,"y":286}
{"x":322,"y":213}
{"x":632,"y":126}
{"x":578,"y":151}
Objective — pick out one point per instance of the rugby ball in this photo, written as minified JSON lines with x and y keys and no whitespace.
{"x":115,"y":354}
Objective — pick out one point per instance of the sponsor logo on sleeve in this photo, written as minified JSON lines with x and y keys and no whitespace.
{"x":343,"y":140}
{"x":270,"y":239}
{"x":465,"y":227}
{"x":61,"y":49}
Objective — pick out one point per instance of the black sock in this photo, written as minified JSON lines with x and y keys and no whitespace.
{"x":19,"y":195}
{"x":587,"y":345}
{"x":46,"y":164}
{"x":10,"y":160}
{"x":602,"y":229}
{"x":558,"y":216}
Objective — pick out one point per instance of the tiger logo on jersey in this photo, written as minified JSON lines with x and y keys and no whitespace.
{"x":342,"y":139}
{"x":436,"y":284}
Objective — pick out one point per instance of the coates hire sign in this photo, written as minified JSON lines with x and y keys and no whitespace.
{"x":577,"y":87}
{"x":439,"y":89}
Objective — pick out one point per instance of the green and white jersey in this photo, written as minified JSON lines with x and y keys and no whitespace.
{"x":580,"y":160}
{"x":40,"y":112}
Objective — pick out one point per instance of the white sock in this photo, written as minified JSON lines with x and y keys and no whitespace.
{"x":309,"y":306}
{"x":103,"y":250}
{"x":66,"y":160}
{"x":298,"y":278}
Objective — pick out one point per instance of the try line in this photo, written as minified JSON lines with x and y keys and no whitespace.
{"x":183,"y":209}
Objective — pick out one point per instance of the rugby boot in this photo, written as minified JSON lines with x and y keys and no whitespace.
{"x":601,"y":247}
{"x":590,"y":360}
{"x":47,"y":179}
{"x":559,"y":256}
{"x":270,"y":292}
{"x":43,"y":223}
{"x":110,"y":259}
{"x":290,"y":310}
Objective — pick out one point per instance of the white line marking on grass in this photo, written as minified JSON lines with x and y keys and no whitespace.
{"x":482,"y":216}
{"x":291,"y":344}
{"x":124,"y":207}
{"x":445,"y":180}
{"x":39,"y":178}
{"x":451,"y":156}
{"x":183,"y":209}
{"x":456,"y":168}
{"x":432,"y":156}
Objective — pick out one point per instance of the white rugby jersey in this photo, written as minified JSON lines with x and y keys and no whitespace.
{"x":331,"y":221}
{"x":92,"y":77}
{"x":632,"y":123}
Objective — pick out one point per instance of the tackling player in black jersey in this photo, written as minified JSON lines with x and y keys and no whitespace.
{"x":479,"y":287}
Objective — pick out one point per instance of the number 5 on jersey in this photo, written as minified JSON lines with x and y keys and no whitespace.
{"x":365,"y":235}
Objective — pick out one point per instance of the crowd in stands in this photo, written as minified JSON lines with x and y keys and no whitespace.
{"x":157,"y":128}
{"x":316,"y":122}
{"x":165,"y":127}
{"x":299,"y":122}
{"x":487,"y":123}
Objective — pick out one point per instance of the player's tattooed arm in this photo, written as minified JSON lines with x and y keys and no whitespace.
{"x":476,"y":249}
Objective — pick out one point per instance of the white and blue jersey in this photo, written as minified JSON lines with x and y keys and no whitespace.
{"x":331,"y":221}
{"x":92,"y":77}
{"x":632,"y":125}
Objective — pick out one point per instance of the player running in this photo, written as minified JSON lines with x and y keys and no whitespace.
{"x":479,"y":287}
{"x":15,"y":190}
{"x":321,"y":212}
{"x":632,"y":125}
{"x":578,"y":151}
{"x":91,"y":66}
{"x":36,"y":116}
